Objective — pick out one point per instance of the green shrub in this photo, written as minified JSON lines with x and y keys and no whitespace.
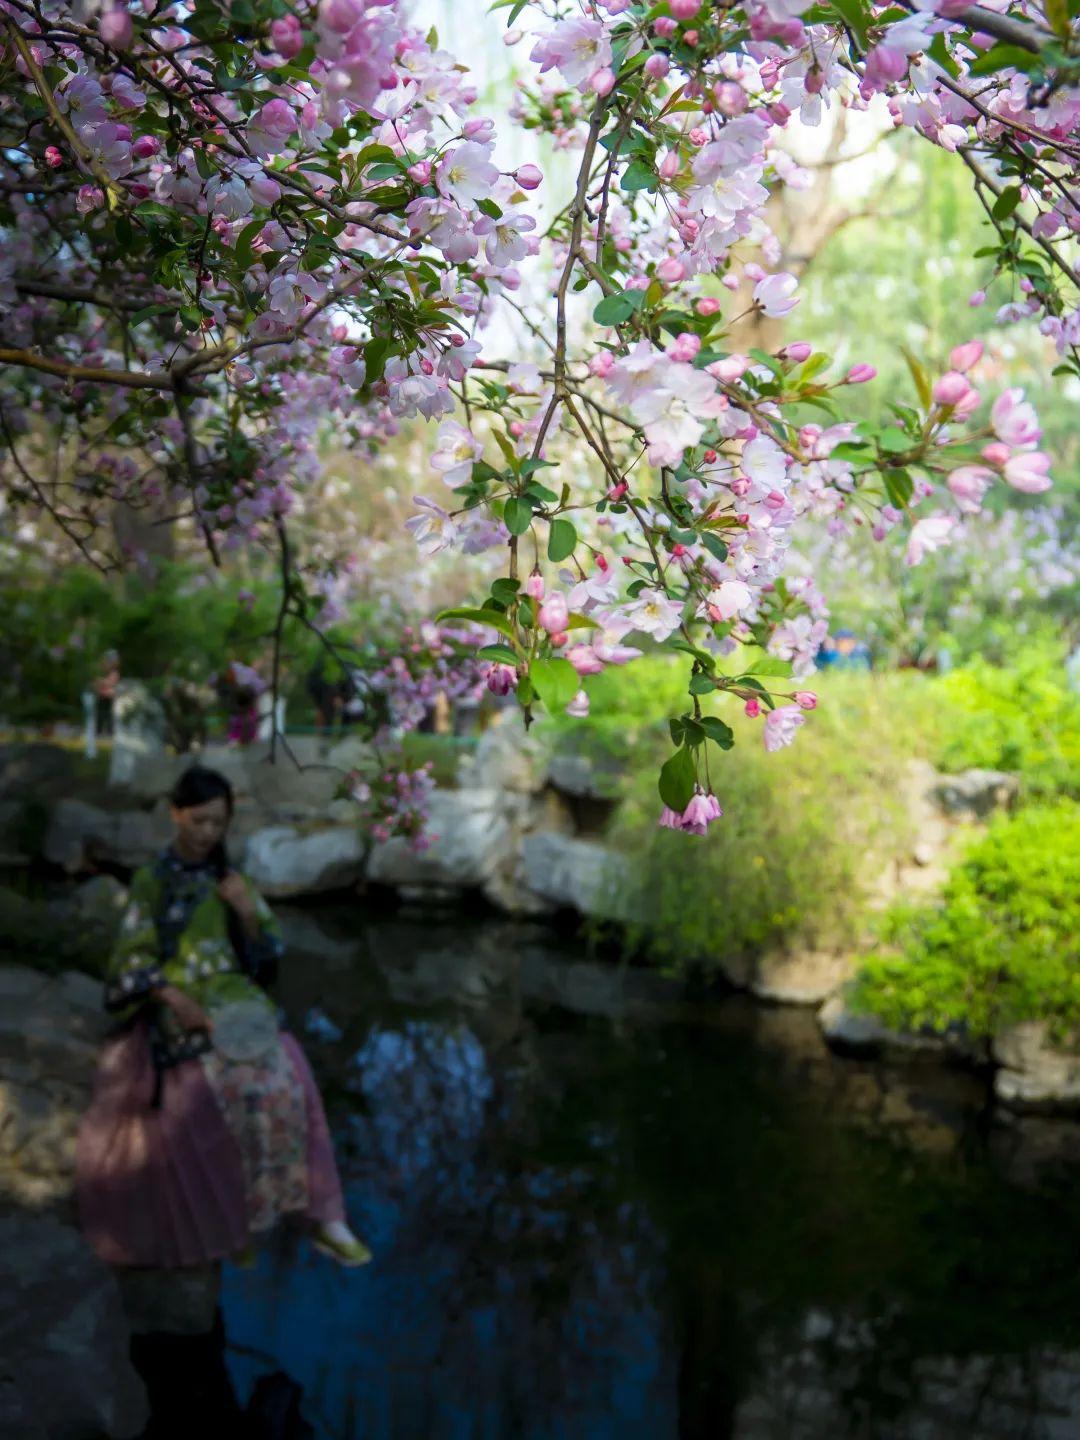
{"x":1004,"y":943}
{"x":805,"y":833}
{"x":1022,"y":719}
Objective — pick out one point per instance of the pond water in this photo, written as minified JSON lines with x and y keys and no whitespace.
{"x":599,"y":1211}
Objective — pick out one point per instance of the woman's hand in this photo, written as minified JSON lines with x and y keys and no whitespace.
{"x":235,"y":893}
{"x":189,"y":1012}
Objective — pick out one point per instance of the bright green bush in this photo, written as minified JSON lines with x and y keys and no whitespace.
{"x":805,"y":832}
{"x":1023,"y":719}
{"x":1004,"y":943}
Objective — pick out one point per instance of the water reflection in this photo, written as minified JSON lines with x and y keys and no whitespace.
{"x":673,"y":1226}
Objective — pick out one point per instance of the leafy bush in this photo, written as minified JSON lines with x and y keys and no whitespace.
{"x":805,"y":833}
{"x":1002,"y":946}
{"x":1022,"y":719}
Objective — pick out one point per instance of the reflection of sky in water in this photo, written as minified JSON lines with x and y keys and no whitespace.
{"x":495,"y":1307}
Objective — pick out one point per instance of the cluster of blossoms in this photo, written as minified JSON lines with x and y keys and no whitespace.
{"x":394,"y":804}
{"x":429,"y":661}
{"x":305,"y":223}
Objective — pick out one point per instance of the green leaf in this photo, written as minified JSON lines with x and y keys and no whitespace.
{"x":376,"y":352}
{"x":919,"y":376}
{"x":1004,"y":57}
{"x":899,"y":487}
{"x":615,"y":309}
{"x":505,"y":590}
{"x":769,"y":665}
{"x":701,"y":684}
{"x":717,"y":731}
{"x":1006,"y":202}
{"x":494,"y":618}
{"x":678,"y":776}
{"x":562,"y":540}
{"x":490,"y":209}
{"x":581,"y":622}
{"x":500,"y":653}
{"x":555,"y":681}
{"x":639,"y":175}
{"x":517,"y":515}
{"x":894,"y":441}
{"x":715,"y":546}
{"x":854,"y":15}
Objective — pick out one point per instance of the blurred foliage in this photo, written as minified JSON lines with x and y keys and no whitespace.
{"x":1000,"y":947}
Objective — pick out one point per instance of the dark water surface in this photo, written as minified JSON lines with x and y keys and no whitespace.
{"x":599,"y":1212}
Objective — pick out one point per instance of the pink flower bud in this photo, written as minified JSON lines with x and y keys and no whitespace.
{"x":601,"y":364}
{"x":657,"y":66}
{"x":797,"y":352}
{"x":996,"y":453}
{"x":664,"y":27}
{"x":669,"y":165}
{"x":684,"y":9}
{"x":963,"y":357}
{"x":286,"y":36}
{"x":584,"y":660}
{"x":859,"y":374}
{"x":618,"y":491}
{"x":691,"y":37}
{"x":730,"y":98}
{"x":602,"y":82}
{"x":53,"y":157}
{"x":554,"y":614}
{"x":976,"y":298}
{"x":501,"y":679}
{"x":420,"y":172}
{"x":559,"y":639}
{"x":579,"y":706}
{"x":729,"y":368}
{"x":685,"y":346}
{"x":116,"y":29}
{"x":709,"y":305}
{"x":698,"y":135}
{"x":671,"y":271}
{"x":951,"y":388}
{"x":806,"y":699}
{"x":528,"y":176}
{"x":534,"y":586}
{"x":145,"y":146}
{"x":752,"y":708}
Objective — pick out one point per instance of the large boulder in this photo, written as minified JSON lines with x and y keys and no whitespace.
{"x":284,"y":861}
{"x":799,"y":977}
{"x":471,"y":835}
{"x":51,"y":1029}
{"x":79,"y":835}
{"x":506,"y":758}
{"x":854,"y":1032}
{"x":64,"y":1367}
{"x":580,"y":875}
{"x":1033,"y":1073}
{"x":292,"y":792}
{"x":977,"y":793}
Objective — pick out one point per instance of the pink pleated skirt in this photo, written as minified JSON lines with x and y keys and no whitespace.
{"x":164,"y":1186}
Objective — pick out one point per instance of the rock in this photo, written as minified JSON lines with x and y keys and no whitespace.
{"x":977,"y":792}
{"x":1033,"y":1074}
{"x":171,"y":1302}
{"x":506,"y":758}
{"x":51,"y":1029}
{"x":138,"y":731}
{"x":292,"y":792}
{"x":847,"y":1030}
{"x":349,"y":753}
{"x":78,"y":834}
{"x":96,"y":907}
{"x":282,"y":861}
{"x":63,"y":1337}
{"x":471,"y":833}
{"x":583,"y":776}
{"x":35,"y":771}
{"x":803,"y":977}
{"x":581,"y":875}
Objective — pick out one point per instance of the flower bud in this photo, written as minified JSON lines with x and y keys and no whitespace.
{"x":534,"y":586}
{"x":963,"y":357}
{"x":116,"y":29}
{"x":684,"y":9}
{"x":602,"y":82}
{"x":859,"y":374}
{"x":797,"y":352}
{"x":53,"y":157}
{"x":554,"y":614}
{"x":671,"y":271}
{"x":752,"y":708}
{"x":528,"y":176}
{"x":806,"y":699}
{"x":951,"y":388}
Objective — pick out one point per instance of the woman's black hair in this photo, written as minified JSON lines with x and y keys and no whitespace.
{"x":198,"y":785}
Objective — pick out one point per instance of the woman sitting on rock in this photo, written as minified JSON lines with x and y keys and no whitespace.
{"x":205,"y":1125}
